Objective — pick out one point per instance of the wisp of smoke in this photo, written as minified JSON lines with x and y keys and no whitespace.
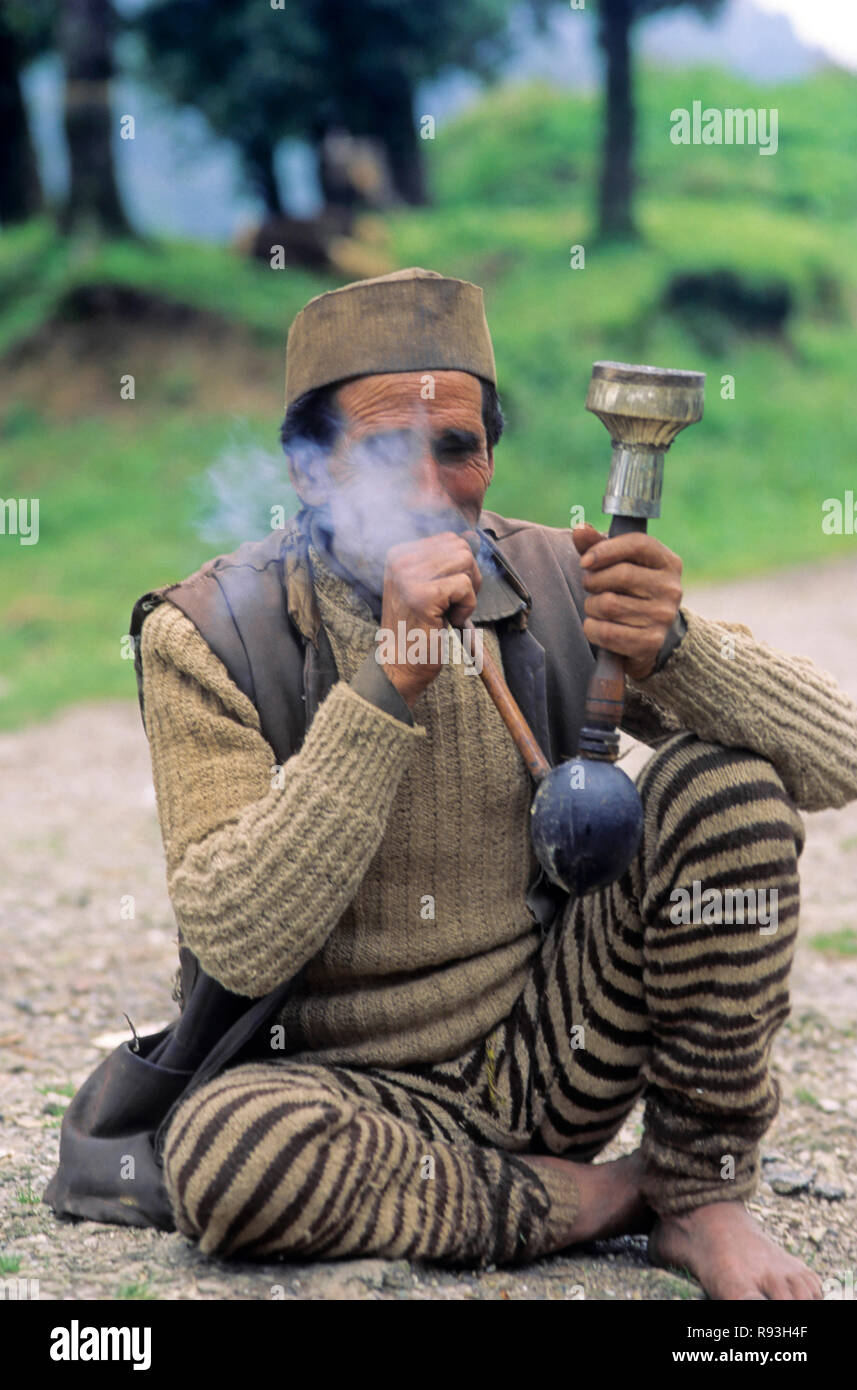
{"x":243,"y":494}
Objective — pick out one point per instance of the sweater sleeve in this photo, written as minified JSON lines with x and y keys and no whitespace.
{"x":261,"y":861}
{"x":728,"y":688}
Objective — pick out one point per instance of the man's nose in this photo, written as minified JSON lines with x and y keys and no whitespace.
{"x":427,"y":491}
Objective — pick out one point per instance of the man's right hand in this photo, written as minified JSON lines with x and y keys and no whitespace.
{"x":427,"y":582}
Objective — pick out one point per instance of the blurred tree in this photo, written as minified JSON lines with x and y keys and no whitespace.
{"x":378,"y":51}
{"x":86,"y":32}
{"x":25,"y":31}
{"x":616,"y":187}
{"x":260,"y":72}
{"x":252,"y":70}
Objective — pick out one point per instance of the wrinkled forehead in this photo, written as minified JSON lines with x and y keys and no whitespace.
{"x":430,"y":401}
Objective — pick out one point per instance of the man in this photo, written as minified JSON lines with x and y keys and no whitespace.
{"x":461,"y":1039}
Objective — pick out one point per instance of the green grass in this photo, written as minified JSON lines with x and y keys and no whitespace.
{"x":139,"y":1292}
{"x":531,"y":145}
{"x":840,"y":943}
{"x":806,"y":1097}
{"x":38,"y":268}
{"x":64,"y":1088}
{"x":681,"y":1286}
{"x":10,"y":1264}
{"x":123,"y":498}
{"x":28,"y":1196}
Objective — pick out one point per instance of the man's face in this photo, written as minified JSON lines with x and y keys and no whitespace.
{"x":405,"y":467}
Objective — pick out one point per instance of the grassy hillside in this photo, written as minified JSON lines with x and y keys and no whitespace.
{"x":127,"y":488}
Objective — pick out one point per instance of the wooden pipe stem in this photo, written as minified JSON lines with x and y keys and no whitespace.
{"x":509,"y":710}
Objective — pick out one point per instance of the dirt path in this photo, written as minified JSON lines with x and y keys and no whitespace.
{"x":80,"y":834}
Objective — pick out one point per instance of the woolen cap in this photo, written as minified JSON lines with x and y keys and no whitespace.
{"x":411,"y":320}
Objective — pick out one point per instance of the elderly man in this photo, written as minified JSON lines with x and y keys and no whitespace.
{"x":461,"y":1038}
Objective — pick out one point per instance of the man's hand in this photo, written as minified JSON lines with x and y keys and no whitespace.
{"x":634,"y":594}
{"x":426,"y":582}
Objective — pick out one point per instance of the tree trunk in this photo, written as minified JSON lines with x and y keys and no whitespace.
{"x":259,"y":163}
{"x":20,"y":194}
{"x":86,"y":35}
{"x":617,"y":175}
{"x":392,"y":123}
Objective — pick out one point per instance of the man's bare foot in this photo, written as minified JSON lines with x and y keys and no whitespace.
{"x":725,"y":1248}
{"x":611,"y":1201}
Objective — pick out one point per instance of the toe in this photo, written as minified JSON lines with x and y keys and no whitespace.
{"x":800,"y":1286}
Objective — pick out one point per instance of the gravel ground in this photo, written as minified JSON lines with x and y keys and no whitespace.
{"x":80,"y":833}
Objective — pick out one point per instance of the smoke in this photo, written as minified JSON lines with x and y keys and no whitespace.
{"x":382,"y":499}
{"x":379,"y":499}
{"x":244,"y":493}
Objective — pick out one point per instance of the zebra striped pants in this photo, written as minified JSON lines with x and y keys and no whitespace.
{"x":624,"y":999}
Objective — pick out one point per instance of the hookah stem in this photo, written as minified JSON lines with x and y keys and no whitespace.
{"x":510,"y":712}
{"x":605,"y":698}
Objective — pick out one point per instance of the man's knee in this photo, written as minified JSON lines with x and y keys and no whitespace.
{"x":247,"y":1158}
{"x":714,"y":814}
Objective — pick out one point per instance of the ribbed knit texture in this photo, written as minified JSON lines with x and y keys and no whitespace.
{"x":725,"y":686}
{"x":433,"y":949}
{"x":379,"y":867}
{"x":259,"y":875}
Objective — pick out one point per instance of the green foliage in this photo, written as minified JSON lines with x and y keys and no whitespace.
{"x":259,"y":73}
{"x":531,"y":146}
{"x":28,"y":25}
{"x":39,"y":269}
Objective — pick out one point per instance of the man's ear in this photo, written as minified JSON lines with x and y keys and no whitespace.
{"x":310,"y":478}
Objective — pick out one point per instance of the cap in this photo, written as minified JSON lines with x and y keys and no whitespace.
{"x":411,"y":320}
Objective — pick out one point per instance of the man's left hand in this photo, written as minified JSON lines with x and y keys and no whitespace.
{"x":633,"y":585}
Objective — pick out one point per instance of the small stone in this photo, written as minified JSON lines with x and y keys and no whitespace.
{"x":829,"y":1106}
{"x":830,"y":1191}
{"x":788,"y":1182}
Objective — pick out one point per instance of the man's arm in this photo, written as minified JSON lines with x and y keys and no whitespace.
{"x":726,"y":687}
{"x":259,"y":874}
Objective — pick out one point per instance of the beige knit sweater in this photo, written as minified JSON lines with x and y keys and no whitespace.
{"x":394,"y":859}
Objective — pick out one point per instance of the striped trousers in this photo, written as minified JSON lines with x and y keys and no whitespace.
{"x":632,"y":993}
